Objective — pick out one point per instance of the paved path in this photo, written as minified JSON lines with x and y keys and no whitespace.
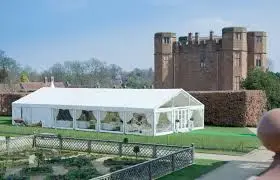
{"x":99,"y":165}
{"x":242,"y":167}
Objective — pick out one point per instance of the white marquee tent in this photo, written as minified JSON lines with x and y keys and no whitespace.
{"x":131,"y":111}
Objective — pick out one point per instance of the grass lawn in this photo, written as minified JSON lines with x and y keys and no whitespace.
{"x":220,"y":140}
{"x":201,"y":166}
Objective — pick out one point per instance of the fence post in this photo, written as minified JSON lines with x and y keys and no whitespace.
{"x":89,"y":146}
{"x":8,"y":144}
{"x":60,"y":143}
{"x":173,"y":162}
{"x":34,"y":141}
{"x":192,"y":146}
{"x":120,"y":148}
{"x":150,"y":171}
{"x":154,"y":151}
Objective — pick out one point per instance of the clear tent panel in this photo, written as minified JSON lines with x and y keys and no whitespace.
{"x":63,"y":118}
{"x":163,"y":122}
{"x":139,"y":123}
{"x":86,"y":119}
{"x":111,"y":121}
{"x":198,"y":117}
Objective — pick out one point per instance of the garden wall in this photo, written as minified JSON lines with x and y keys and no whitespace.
{"x":232,"y":108}
{"x":6,"y":100}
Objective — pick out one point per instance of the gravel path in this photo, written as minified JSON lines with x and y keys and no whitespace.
{"x":99,"y":165}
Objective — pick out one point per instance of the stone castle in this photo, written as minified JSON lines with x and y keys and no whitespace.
{"x":208,"y":63}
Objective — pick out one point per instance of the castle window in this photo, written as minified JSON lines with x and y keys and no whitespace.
{"x":259,"y":39}
{"x":202,"y":64}
{"x":166,"y":40}
{"x":258,"y":62}
{"x":236,"y":83}
{"x":202,"y":60}
{"x":237,"y":59}
{"x":165,"y":58}
{"x":238,"y":36}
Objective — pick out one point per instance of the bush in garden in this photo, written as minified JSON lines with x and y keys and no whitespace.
{"x":116,"y":168}
{"x":136,"y":150}
{"x":27,"y":171}
{"x":125,"y":140}
{"x":82,"y":173}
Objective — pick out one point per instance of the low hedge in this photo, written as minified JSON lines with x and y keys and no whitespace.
{"x":28,"y":171}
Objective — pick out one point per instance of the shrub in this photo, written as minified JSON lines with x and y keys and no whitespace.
{"x":122,"y":161}
{"x":27,"y":171}
{"x":15,"y":177}
{"x":136,"y":150}
{"x":56,"y":177}
{"x":125,"y":140}
{"x":70,"y":162}
{"x":116,"y":168}
{"x":82,"y":173}
{"x":266,"y":81}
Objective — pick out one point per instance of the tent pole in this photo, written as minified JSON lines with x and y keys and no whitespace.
{"x":154,"y":124}
{"x":124,"y":122}
{"x":98,"y":121}
{"x":74,"y":118}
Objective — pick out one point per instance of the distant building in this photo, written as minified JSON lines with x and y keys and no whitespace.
{"x":208,"y":63}
{"x":28,"y":86}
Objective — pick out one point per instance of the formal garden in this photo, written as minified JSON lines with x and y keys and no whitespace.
{"x":68,"y":165}
{"x":54,"y":164}
{"x":48,"y":156}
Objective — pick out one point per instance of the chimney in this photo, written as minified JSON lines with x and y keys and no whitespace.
{"x":190,"y":38}
{"x":211,"y":35}
{"x":52,"y":82}
{"x":46,"y":81}
{"x":196,"y":37}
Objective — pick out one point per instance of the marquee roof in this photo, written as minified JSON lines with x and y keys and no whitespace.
{"x":104,"y":98}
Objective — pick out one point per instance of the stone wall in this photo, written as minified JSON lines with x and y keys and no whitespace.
{"x":6,"y":100}
{"x":232,"y":108}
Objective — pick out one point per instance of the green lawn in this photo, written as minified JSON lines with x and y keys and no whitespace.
{"x":220,"y":140}
{"x":201,"y":166}
{"x":5,"y":120}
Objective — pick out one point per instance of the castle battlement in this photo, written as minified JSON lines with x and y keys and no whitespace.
{"x":194,"y":62}
{"x":191,"y":40}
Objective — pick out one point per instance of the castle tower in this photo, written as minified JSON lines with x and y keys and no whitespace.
{"x":164,"y":60}
{"x":233,"y":61}
{"x":257,"y":55}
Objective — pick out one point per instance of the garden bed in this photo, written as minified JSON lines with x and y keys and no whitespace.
{"x":48,"y":164}
{"x":60,"y":165}
{"x":118,"y":163}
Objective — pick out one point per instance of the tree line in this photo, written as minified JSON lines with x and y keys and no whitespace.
{"x":90,"y":73}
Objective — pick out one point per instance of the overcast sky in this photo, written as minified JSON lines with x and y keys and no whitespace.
{"x":40,"y":33}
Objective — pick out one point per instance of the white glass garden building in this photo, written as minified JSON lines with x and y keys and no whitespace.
{"x":148,"y":112}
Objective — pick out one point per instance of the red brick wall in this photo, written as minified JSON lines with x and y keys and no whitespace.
{"x":232,"y":108}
